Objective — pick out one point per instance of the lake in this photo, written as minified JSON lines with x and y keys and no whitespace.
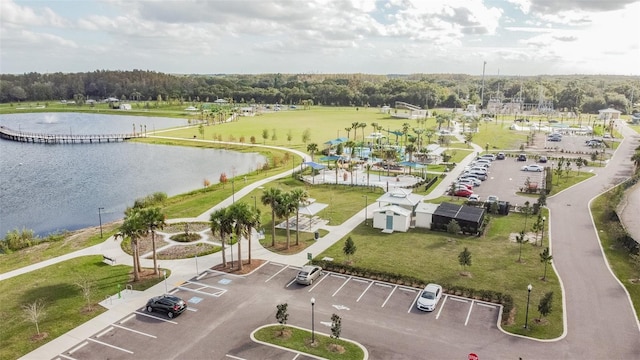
{"x":49,"y":188}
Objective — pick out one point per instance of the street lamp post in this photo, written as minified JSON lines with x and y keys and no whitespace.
{"x":255,"y":202}
{"x":233,"y":192}
{"x":100,"y":219}
{"x":544,"y":218}
{"x":526,"y":318}
{"x":313,"y":332}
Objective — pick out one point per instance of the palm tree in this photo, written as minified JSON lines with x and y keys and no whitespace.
{"x":244,"y":218}
{"x":300,"y":196}
{"x":133,"y":227}
{"x":153,"y":219}
{"x":286,"y":207}
{"x":351,"y":145}
{"x":354,"y":126}
{"x":222,"y":223}
{"x":362,"y":126}
{"x":348,"y":129}
{"x":405,"y":131}
{"x":271,"y":197}
{"x":312,"y":148}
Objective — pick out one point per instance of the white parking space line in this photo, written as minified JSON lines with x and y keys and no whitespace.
{"x":460,"y":300}
{"x":135,"y":331}
{"x":469,"y":313}
{"x":78,"y":347}
{"x":224,"y":273}
{"x":291,"y":282}
{"x":389,"y":297}
{"x":341,"y":286}
{"x":155,"y":317}
{"x":217,"y":293}
{"x":66,"y":357}
{"x":413,"y":302}
{"x":407,"y":289}
{"x":234,"y":357}
{"x":487,"y":305}
{"x":339,"y":276}
{"x":192,"y":309}
{"x":111,"y":346}
{"x":360,"y":280}
{"x":364,"y":292}
{"x":441,"y":307}
{"x":319,"y":281}
{"x":295,"y":357}
{"x":383,"y":285}
{"x":129,"y":317}
{"x":105,"y":331}
{"x":276,"y":274}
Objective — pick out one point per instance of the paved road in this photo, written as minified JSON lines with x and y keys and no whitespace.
{"x":600,"y":321}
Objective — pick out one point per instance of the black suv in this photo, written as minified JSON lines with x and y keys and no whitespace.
{"x":522,"y":157}
{"x":169,"y":304}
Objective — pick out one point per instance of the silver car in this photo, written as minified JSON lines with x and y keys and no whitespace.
{"x":308,"y":274}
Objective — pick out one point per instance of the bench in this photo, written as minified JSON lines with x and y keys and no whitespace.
{"x":108,"y":260}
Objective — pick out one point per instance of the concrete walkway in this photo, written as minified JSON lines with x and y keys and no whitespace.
{"x":185,"y":269}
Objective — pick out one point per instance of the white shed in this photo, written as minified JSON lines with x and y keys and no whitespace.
{"x":125,"y":106}
{"x":609,"y":114}
{"x":392,"y":218}
{"x":424,"y":212}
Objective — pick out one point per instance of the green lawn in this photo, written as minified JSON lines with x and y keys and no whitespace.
{"x":300,"y":340}
{"x":65,"y":306}
{"x":433,"y":257}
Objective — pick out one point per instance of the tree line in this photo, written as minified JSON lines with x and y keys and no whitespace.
{"x":577,"y":93}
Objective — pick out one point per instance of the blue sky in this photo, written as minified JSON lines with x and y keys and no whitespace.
{"x":514,"y":37}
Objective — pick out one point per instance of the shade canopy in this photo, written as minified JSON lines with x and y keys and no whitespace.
{"x":314,"y":165}
{"x":330,"y":158}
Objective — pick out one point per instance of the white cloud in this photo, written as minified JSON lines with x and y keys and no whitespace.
{"x":374,"y":36}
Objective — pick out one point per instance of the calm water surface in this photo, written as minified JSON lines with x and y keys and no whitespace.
{"x":48,"y":188}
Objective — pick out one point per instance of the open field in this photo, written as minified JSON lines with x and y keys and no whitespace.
{"x":432,"y":256}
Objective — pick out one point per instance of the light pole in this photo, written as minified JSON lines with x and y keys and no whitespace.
{"x":255,"y":202}
{"x":366,"y":203}
{"x":482,"y":90}
{"x":544,"y":218}
{"x":233,"y":192}
{"x":100,"y":219}
{"x":526,"y":318}
{"x":313,"y":332}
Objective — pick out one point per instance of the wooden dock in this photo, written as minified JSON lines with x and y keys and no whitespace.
{"x":9,"y":134}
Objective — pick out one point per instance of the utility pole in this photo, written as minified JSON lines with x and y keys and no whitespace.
{"x":484,"y":65}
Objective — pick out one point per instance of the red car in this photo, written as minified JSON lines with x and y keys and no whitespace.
{"x":463,"y":192}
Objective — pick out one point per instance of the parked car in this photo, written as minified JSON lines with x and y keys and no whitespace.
{"x":522,"y":157}
{"x":478,"y":169}
{"x":462,"y":192}
{"x":532,"y":167}
{"x":480,"y":164}
{"x":459,"y":184}
{"x":472,"y":180}
{"x":308,"y":274}
{"x":483,"y":161}
{"x":554,"y":137}
{"x":476,"y":175}
{"x":169,"y":304}
{"x":542,"y":159}
{"x":500,"y":156}
{"x":491,"y":199}
{"x":474,"y":198}
{"x":488,"y":157}
{"x":429,"y":297}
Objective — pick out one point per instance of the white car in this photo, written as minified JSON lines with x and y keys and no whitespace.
{"x":492,"y":199}
{"x":474,"y":197}
{"x":472,"y":180}
{"x":532,"y":167}
{"x":429,"y":298}
{"x":308,"y":274}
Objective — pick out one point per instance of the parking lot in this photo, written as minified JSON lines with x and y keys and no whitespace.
{"x":223,"y":310}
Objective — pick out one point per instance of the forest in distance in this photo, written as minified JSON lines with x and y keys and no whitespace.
{"x":574,"y":93}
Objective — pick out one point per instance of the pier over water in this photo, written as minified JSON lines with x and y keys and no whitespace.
{"x":9,"y":134}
